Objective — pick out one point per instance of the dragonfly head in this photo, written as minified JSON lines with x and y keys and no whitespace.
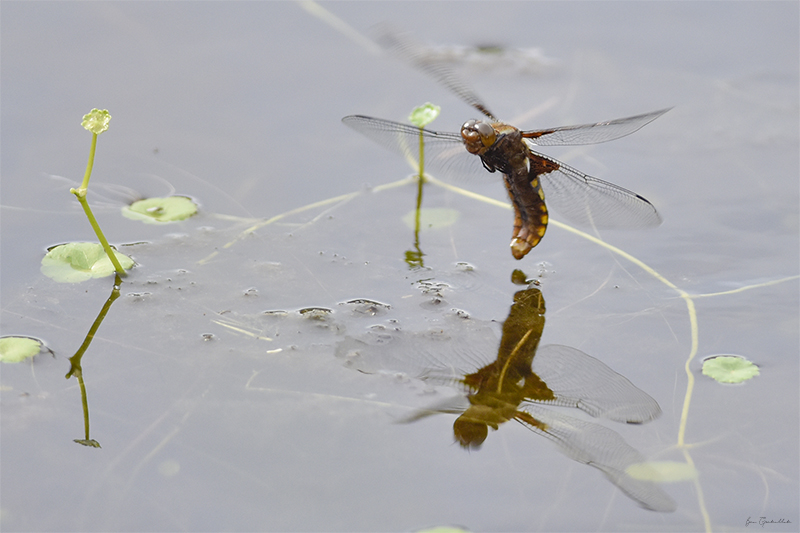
{"x":478,"y":136}
{"x":470,"y":433}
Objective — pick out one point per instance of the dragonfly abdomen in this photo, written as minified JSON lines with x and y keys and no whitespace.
{"x":530,"y":211}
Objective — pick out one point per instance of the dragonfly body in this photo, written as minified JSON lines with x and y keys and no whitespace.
{"x":501,"y":147}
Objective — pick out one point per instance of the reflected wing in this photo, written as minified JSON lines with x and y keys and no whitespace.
{"x":444,"y":151}
{"x":579,"y":380}
{"x":443,"y":354}
{"x":590,"y":133}
{"x":592,"y":202}
{"x":597,"y":446}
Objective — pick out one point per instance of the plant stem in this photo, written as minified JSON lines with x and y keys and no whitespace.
{"x":80,"y":194}
{"x":421,"y":156}
{"x":89,"y":165}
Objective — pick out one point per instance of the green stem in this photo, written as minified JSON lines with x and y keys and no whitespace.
{"x":75,"y":362}
{"x":80,"y":194}
{"x":89,"y":165}
{"x":421,"y":156}
{"x":414,"y":258}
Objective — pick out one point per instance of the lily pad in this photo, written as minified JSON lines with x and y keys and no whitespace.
{"x":17,"y":349}
{"x":78,"y":261}
{"x":729,"y":368}
{"x":431,"y":218}
{"x":161,"y":210}
{"x":662,"y":471}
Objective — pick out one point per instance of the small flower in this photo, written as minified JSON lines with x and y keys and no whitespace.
{"x":425,"y":114}
{"x":96,"y":121}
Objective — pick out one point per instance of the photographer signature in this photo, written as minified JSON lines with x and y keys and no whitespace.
{"x":762,"y":520}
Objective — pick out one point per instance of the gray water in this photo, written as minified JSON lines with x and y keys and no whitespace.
{"x":218,"y":405}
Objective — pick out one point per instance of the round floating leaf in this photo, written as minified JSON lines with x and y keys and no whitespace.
{"x":161,"y":210}
{"x":662,"y":471}
{"x":729,"y":369}
{"x":17,"y":349}
{"x":425,"y":114}
{"x":431,"y":218}
{"x":78,"y":261}
{"x":96,"y":121}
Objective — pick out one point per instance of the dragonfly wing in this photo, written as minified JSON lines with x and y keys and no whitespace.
{"x":600,"y":447}
{"x":409,"y":50}
{"x":590,"y":133}
{"x":444,"y":151}
{"x":592,"y":202}
{"x":579,"y":380}
{"x":453,"y":405}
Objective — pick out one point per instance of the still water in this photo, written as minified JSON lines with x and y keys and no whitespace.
{"x":223,"y":385}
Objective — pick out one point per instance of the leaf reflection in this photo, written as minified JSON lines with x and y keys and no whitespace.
{"x":515,"y":384}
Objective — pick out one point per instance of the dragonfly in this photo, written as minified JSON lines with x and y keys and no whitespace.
{"x":532,"y":179}
{"x":517,"y":385}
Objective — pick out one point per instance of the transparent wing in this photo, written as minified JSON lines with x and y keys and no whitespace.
{"x":600,"y":447}
{"x":409,"y":50}
{"x":579,"y":380}
{"x":571,"y":194}
{"x":444,"y":151}
{"x":592,"y":202}
{"x":590,"y":133}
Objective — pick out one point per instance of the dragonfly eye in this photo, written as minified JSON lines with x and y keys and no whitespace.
{"x":477,"y":136}
{"x":487,"y":133}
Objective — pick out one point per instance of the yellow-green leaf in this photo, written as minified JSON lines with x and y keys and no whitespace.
{"x":161,"y":210}
{"x":729,"y":369}
{"x":75,"y":262}
{"x":17,"y":349}
{"x":431,"y":218}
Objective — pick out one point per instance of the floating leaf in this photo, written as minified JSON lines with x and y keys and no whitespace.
{"x":96,"y":121}
{"x":161,"y":210}
{"x":431,"y":218}
{"x":78,"y":261}
{"x":662,"y":471}
{"x":425,"y":114}
{"x":729,"y":368}
{"x":88,"y":442}
{"x":17,"y":349}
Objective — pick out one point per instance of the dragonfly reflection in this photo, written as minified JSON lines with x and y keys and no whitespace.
{"x":530,"y":177}
{"x":516,"y":385}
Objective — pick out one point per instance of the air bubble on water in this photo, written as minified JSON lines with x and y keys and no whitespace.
{"x":463,"y":266}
